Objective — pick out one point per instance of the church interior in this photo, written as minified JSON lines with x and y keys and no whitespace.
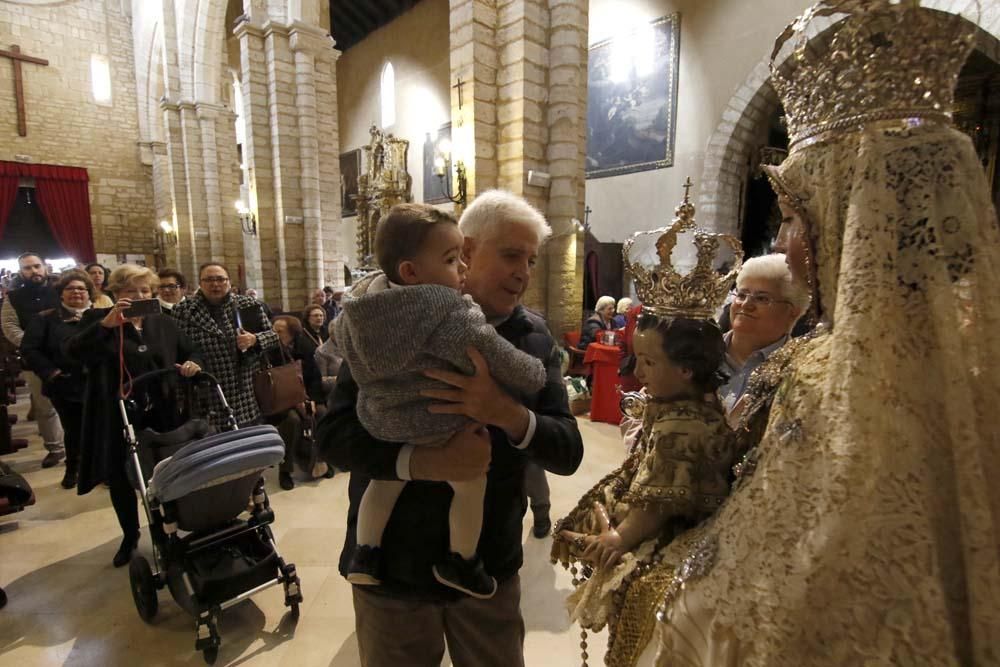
{"x":273,"y":136}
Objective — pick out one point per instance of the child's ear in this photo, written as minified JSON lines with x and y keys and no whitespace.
{"x":407,"y":271}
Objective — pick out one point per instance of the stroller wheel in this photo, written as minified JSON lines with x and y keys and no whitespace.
{"x":143,"y":588}
{"x":210,"y":655}
{"x":295,"y":611}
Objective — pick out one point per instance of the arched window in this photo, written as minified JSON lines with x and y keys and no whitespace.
{"x":388,"y":90}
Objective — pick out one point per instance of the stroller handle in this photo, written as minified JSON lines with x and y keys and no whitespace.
{"x":200,"y":376}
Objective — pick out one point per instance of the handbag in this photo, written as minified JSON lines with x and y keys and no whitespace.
{"x":279,"y":388}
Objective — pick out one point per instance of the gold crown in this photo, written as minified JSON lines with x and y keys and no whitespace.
{"x":888,"y":60}
{"x":664,"y":291}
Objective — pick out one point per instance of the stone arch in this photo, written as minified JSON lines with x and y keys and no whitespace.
{"x":729,"y":149}
{"x":208,"y":50}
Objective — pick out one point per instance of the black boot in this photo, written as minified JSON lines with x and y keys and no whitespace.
{"x":124,"y":554}
{"x":69,"y":478}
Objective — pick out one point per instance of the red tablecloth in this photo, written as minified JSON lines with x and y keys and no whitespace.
{"x":604,"y":397}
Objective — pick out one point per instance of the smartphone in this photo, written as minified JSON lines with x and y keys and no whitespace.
{"x":143,"y":307}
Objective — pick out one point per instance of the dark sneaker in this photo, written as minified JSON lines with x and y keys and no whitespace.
{"x":52,"y":459}
{"x":467,"y":576}
{"x":542,"y":527}
{"x":365,"y":568}
{"x":285,"y":481}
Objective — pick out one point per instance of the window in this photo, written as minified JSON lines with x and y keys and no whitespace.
{"x":388,"y":90}
{"x":100,"y":79}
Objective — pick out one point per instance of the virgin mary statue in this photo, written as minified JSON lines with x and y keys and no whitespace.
{"x":865,"y":527}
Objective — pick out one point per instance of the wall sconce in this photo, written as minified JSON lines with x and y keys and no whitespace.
{"x":166,"y":234}
{"x":442,"y":158}
{"x":247,"y":219}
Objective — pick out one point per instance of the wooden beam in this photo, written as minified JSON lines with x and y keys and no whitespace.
{"x":363,"y":21}
{"x":344,"y":25}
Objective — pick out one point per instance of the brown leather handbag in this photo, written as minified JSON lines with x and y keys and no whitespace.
{"x":279,"y":388}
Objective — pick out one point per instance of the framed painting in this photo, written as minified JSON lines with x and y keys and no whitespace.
{"x":632,"y":100}
{"x":350,"y":169}
{"x":436,"y":188}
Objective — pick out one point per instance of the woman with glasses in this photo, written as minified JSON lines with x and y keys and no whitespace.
{"x":765,"y":306}
{"x":172,"y":290}
{"x":62,"y":376}
{"x":114,"y":347}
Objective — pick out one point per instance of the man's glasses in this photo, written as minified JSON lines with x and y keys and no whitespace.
{"x":215,"y":279}
{"x":762,"y":299}
{"x":169,"y":286}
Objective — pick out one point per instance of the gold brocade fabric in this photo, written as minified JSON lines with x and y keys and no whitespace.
{"x":869,"y":532}
{"x":681,"y":465}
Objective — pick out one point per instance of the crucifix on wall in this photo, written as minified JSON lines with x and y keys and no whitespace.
{"x":16,"y":57}
{"x":458,"y":86}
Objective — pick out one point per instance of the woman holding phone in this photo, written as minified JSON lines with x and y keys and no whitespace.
{"x":116,"y":344}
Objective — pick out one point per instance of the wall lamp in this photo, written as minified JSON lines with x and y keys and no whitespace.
{"x":167,"y":234}
{"x":247,"y":219}
{"x":442,"y":158}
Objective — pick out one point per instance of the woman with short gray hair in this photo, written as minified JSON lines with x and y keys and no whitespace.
{"x":766,"y":305}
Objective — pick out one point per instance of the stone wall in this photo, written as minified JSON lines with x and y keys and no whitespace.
{"x":66,"y":126}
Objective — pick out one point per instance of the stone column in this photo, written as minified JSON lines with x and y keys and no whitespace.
{"x":194,"y":171}
{"x":307,"y":44}
{"x":178,"y":186}
{"x":566,"y":155}
{"x":207,"y":114}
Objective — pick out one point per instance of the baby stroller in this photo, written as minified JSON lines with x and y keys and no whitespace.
{"x":195,"y":483}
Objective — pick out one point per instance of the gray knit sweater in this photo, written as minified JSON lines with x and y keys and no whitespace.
{"x":388,"y":335}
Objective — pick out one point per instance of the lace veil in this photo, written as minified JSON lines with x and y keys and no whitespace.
{"x":870,"y":531}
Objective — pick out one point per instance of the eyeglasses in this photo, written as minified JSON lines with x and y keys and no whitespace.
{"x":215,"y":279}
{"x":761,"y":299}
{"x":75,"y":289}
{"x":169,"y":286}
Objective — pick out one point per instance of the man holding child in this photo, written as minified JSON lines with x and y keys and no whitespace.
{"x":409,"y":615}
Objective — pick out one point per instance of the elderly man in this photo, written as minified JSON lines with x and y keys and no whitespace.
{"x":20,"y":307}
{"x":407,"y":619}
{"x":766,"y":305}
{"x":233,"y":333}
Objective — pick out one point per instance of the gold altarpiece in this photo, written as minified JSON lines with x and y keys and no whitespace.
{"x":384,"y":184}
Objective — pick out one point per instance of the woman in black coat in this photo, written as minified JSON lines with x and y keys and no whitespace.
{"x":144,"y":344}
{"x":62,"y":376}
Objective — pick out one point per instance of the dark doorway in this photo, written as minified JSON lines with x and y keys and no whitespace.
{"x":761,"y":217}
{"x":27,"y":230}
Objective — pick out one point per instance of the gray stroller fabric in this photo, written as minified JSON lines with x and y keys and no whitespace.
{"x":214,"y":460}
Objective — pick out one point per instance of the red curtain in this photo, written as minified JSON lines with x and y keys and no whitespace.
{"x":8,"y":193}
{"x":63,"y":197}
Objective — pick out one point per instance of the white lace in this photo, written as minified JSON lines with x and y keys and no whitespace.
{"x":870,"y":532}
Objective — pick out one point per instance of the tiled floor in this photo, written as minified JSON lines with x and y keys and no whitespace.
{"x":69,"y":606}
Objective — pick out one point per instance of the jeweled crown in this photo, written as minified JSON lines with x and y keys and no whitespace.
{"x":663,"y":290}
{"x":887,"y":60}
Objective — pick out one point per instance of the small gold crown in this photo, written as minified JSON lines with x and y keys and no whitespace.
{"x":888,"y":60}
{"x":665,"y":292}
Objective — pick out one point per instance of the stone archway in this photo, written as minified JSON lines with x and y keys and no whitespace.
{"x":729,"y":149}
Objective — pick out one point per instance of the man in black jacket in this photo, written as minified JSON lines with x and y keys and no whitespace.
{"x":21,"y":306}
{"x":407,"y":619}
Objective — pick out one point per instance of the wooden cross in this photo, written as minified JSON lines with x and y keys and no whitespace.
{"x":459,"y":87}
{"x":16,"y":56}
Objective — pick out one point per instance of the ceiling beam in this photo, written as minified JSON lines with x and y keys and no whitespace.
{"x":345,"y":27}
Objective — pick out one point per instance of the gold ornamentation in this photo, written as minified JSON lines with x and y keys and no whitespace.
{"x":888,"y":60}
{"x":384,"y":184}
{"x":664,"y":291}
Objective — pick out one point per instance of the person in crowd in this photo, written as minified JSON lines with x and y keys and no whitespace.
{"x":621,"y":312}
{"x":397,"y":323}
{"x":332,"y":303}
{"x":233,"y":333}
{"x":62,"y":376}
{"x":20,"y":307}
{"x":99,"y":276}
{"x":314,"y":327}
{"x":865,"y":526}
{"x":408,"y":617}
{"x":329,"y":359}
{"x":318,"y":297}
{"x":293,"y":346}
{"x":601,"y":320}
{"x":675,"y":476}
{"x":115,"y":347}
{"x":765,"y":307}
{"x":252,"y":293}
{"x":172,"y":290}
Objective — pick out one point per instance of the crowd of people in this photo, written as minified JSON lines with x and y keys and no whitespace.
{"x":811,"y":486}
